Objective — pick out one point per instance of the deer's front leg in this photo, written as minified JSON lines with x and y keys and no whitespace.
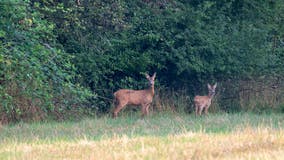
{"x":143,"y":109}
{"x":147,"y":108}
{"x":206,"y":110}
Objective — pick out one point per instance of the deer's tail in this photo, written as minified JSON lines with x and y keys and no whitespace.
{"x":114,"y":94}
{"x":115,"y":98}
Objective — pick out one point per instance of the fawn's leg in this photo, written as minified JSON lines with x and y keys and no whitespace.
{"x":196,"y":110}
{"x":200,"y":110}
{"x":206,"y":110}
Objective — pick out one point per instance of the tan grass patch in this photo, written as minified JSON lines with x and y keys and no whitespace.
{"x":248,"y":143}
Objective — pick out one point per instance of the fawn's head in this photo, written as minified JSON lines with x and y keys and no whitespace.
{"x":151,"y":79}
{"x":211,"y":89}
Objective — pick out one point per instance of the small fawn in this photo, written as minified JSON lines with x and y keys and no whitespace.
{"x":204,"y":102}
{"x":143,"y":98}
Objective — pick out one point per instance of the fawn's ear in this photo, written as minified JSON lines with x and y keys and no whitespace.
{"x":215,"y":85}
{"x":209,"y":86}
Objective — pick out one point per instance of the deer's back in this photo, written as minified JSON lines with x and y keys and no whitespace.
{"x":199,"y":100}
{"x":134,"y":97}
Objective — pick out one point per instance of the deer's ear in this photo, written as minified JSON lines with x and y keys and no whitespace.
{"x":147,"y":75}
{"x":154,"y":75}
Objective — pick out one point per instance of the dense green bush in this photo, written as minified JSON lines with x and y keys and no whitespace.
{"x":36,"y":75}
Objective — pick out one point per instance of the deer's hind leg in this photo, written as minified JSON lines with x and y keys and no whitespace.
{"x":196,"y":109}
{"x":200,"y":110}
{"x":118,"y":107}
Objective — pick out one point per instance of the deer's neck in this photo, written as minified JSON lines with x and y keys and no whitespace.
{"x":210,"y":95}
{"x":151,"y":89}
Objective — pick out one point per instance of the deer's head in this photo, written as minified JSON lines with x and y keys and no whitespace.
{"x":151,"y":79}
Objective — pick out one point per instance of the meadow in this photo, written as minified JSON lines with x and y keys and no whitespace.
{"x":163,"y":135}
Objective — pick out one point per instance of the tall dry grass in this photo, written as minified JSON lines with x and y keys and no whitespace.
{"x":264,"y":94}
{"x":262,"y":143}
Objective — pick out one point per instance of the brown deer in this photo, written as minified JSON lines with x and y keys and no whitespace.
{"x":143,"y":98}
{"x":204,"y":102}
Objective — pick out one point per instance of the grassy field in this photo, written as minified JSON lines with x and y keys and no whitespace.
{"x":158,"y":136}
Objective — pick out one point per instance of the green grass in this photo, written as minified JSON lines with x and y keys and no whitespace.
{"x":159,"y":131}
